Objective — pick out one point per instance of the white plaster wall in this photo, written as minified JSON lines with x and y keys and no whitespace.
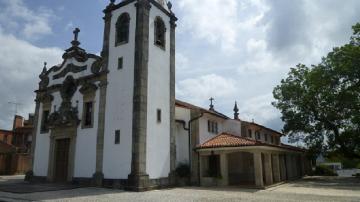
{"x":232,"y":126}
{"x":119,"y":101}
{"x":182,"y":136}
{"x":158,"y":134}
{"x":85,"y":151}
{"x":204,"y":134}
{"x":41,"y":155}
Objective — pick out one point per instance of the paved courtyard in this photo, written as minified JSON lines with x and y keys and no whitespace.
{"x":309,"y":189}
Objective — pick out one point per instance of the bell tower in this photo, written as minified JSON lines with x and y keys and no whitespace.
{"x":139,"y":52}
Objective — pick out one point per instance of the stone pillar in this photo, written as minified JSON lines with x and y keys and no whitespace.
{"x":289,"y":169}
{"x":98,"y":175}
{"x":268,"y":169}
{"x":138,"y":179}
{"x":258,"y":169}
{"x":276,"y":167}
{"x":172,"y":175}
{"x":30,"y":173}
{"x":224,"y":170}
{"x":282,"y":168}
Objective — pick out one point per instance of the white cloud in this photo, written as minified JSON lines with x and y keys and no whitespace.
{"x":199,"y":90}
{"x":21,"y":63}
{"x":218,"y":21}
{"x":16,"y":17}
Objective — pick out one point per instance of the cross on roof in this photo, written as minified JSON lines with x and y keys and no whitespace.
{"x":76,"y":34}
{"x":211,"y":103}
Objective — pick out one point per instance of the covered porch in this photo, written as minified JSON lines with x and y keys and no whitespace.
{"x":249,"y":166}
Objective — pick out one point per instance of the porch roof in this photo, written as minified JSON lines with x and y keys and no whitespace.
{"x":226,"y":140}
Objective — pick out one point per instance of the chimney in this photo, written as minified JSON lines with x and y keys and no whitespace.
{"x":18,"y":122}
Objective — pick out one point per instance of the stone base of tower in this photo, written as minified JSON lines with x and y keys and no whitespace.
{"x":138,"y":182}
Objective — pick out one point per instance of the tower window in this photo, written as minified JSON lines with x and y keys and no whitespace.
{"x":122,"y":29}
{"x":160,"y":31}
{"x":45,"y":121}
{"x":117,"y":137}
{"x":158,"y":114}
{"x":120,"y":63}
{"x":88,"y":114}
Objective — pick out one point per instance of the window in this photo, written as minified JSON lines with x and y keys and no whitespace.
{"x":45,"y":121}
{"x":120,"y":63}
{"x":257,"y":133}
{"x":158,"y":115}
{"x":266,"y":137}
{"x":122,"y":29}
{"x":88,"y":114}
{"x":117,"y":137}
{"x":272,"y":139}
{"x":159,"y":32}
{"x":213,"y":127}
{"x":250,"y":133}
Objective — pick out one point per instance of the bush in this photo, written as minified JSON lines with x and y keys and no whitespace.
{"x":323,"y":170}
{"x":183,"y":170}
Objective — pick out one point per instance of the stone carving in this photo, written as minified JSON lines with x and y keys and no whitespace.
{"x":67,"y":115}
{"x":44,"y":79}
{"x":88,"y":88}
{"x":97,"y":66}
{"x":70,"y":68}
{"x":46,"y":98}
{"x":68,"y":89}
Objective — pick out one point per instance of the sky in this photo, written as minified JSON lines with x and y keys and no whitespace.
{"x":232,"y":50}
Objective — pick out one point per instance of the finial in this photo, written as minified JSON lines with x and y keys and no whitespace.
{"x":44,"y":69}
{"x":211,"y":104}
{"x":75,"y":42}
{"x":236,"y":111}
{"x":169,"y":5}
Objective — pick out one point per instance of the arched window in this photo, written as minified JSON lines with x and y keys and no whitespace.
{"x":122,"y":29}
{"x":160,"y":31}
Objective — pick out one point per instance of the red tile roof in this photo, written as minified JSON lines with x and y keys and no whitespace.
{"x":229,"y":140}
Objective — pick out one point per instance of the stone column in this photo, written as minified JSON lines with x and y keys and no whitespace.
{"x":268,"y":169}
{"x":224,"y":170}
{"x":98,"y":175}
{"x":30,"y":173}
{"x":289,"y":169}
{"x":282,"y":168}
{"x":276,"y":167}
{"x":258,"y":169}
{"x":172,"y":175}
{"x":138,"y":179}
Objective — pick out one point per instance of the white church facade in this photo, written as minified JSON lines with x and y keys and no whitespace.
{"x":112,"y":120}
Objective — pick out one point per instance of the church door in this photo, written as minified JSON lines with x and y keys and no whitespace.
{"x":62,"y":160}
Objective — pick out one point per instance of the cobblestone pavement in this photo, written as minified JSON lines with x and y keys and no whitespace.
{"x":309,"y":189}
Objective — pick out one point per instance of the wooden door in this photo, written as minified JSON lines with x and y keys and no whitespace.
{"x":62,"y":160}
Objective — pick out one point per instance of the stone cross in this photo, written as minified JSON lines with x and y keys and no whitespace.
{"x":76,"y":34}
{"x":211,"y":103}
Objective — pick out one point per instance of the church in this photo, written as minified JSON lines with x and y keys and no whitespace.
{"x":113,"y":120}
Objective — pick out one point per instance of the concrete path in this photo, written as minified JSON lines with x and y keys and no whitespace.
{"x":309,"y":189}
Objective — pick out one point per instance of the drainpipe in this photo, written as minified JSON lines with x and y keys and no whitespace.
{"x":189,"y":134}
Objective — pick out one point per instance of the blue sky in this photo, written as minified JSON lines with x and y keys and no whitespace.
{"x":226,"y":49}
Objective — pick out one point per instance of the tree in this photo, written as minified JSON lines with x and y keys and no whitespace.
{"x":320,"y":105}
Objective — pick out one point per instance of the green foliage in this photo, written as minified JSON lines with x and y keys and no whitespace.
{"x":323,"y":170}
{"x":320,"y":104}
{"x":183,"y":170}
